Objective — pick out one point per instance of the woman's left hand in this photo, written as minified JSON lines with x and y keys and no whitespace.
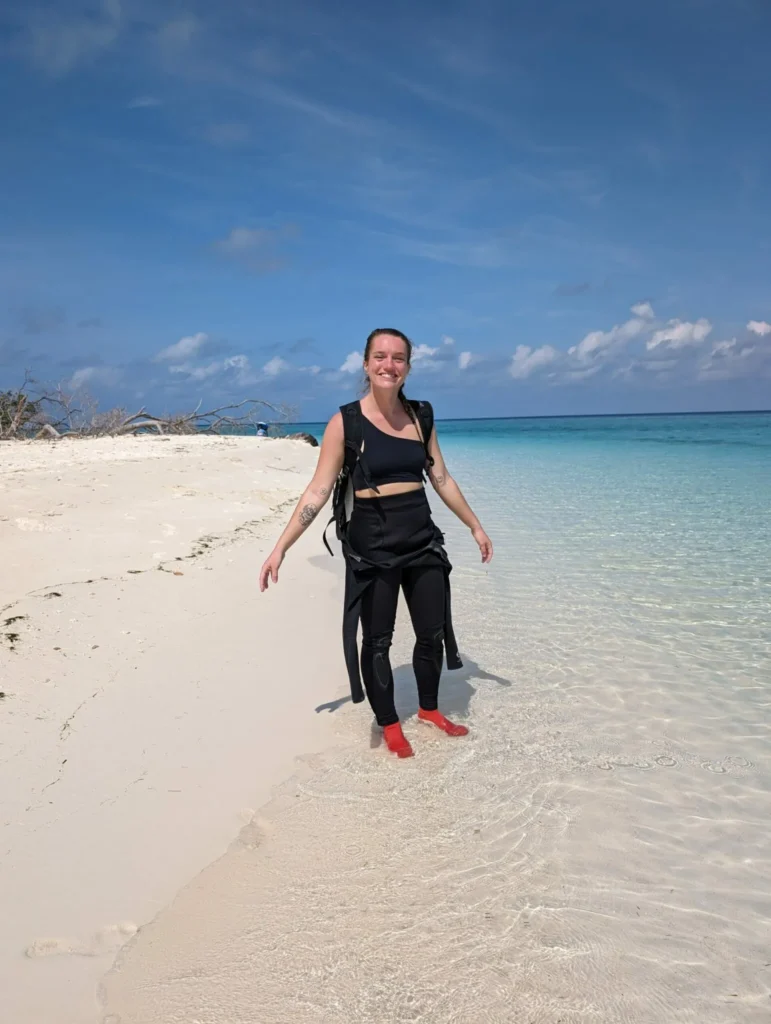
{"x":484,"y":542}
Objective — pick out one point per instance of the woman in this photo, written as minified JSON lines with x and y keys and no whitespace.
{"x":390,"y":540}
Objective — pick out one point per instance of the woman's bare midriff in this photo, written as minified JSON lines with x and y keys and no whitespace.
{"x":386,"y":489}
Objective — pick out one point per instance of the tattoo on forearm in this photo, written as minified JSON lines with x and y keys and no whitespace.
{"x":308,"y":513}
{"x":323,"y":491}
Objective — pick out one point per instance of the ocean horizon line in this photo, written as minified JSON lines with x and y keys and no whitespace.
{"x":580,"y":416}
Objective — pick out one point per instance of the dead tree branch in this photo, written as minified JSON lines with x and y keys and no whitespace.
{"x":32,"y":412}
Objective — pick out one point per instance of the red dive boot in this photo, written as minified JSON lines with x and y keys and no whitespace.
{"x":396,"y":741}
{"x":437,"y":718}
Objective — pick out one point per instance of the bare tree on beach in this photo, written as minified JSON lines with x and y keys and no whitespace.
{"x":33,"y":411}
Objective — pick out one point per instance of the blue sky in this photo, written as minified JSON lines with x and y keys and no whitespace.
{"x":566,"y":206}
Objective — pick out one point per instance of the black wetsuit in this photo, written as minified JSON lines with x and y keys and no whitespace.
{"x":392,"y":542}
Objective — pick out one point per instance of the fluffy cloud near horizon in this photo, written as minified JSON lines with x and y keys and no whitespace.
{"x":680,"y":334}
{"x":639,"y":350}
{"x":526,"y":360}
{"x":598,"y":343}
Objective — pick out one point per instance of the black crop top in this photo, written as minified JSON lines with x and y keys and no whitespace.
{"x":389,"y":459}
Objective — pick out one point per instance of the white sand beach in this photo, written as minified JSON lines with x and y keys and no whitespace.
{"x":189,"y":835}
{"x":152,"y":697}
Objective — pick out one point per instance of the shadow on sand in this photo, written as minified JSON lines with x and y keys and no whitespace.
{"x":456,"y":693}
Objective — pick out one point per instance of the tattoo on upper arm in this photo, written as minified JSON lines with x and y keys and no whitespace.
{"x":323,"y":491}
{"x":439,"y":479}
{"x":308,"y":513}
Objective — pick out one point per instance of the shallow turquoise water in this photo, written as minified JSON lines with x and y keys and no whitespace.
{"x":598,"y":849}
{"x":602,"y":849}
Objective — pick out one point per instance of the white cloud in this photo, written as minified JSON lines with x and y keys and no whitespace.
{"x":527,"y":360}
{"x":422,"y":352}
{"x":275,"y":366}
{"x":197,"y":372}
{"x":447,"y":340}
{"x":464,"y":360}
{"x":239,"y":362}
{"x":644,"y":310}
{"x":185,"y":348}
{"x":353,"y":363}
{"x":598,"y":342}
{"x":107,"y":375}
{"x":680,"y":334}
{"x":56,"y":44}
{"x":237,"y":366}
{"x":759,"y":327}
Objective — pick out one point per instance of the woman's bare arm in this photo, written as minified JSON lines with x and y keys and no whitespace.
{"x":448,"y":490}
{"x":318,"y":491}
{"x":446,"y":487}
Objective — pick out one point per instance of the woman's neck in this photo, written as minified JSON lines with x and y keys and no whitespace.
{"x":386,"y":402}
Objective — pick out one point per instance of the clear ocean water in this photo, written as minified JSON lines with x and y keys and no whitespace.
{"x":599,"y":849}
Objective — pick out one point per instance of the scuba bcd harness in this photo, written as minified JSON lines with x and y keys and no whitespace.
{"x":342,"y":496}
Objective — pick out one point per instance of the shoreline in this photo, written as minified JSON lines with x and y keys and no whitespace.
{"x":153,"y":698}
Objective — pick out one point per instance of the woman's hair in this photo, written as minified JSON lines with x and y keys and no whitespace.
{"x":378,"y":332}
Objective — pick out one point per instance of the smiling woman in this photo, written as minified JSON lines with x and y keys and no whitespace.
{"x":375,"y":454}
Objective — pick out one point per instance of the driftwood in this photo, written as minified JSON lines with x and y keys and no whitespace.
{"x":53,"y":413}
{"x":303,"y":436}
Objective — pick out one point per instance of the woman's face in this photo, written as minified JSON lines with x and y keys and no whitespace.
{"x":387,"y":366}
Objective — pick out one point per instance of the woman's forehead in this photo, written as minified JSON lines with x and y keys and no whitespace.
{"x":388,"y":343}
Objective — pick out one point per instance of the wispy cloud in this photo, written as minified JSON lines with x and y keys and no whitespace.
{"x":256,"y":248}
{"x":464,"y":360}
{"x":106,"y":376}
{"x":484,"y":253}
{"x":185,"y":348}
{"x":230,"y":133}
{"x":55,"y":44}
{"x":143,"y":103}
{"x":176,"y":35}
{"x":727,"y":360}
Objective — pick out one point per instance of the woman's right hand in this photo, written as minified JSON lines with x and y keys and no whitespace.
{"x":270,"y":568}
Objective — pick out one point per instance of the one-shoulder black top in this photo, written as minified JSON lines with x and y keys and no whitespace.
{"x":389,"y":459}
